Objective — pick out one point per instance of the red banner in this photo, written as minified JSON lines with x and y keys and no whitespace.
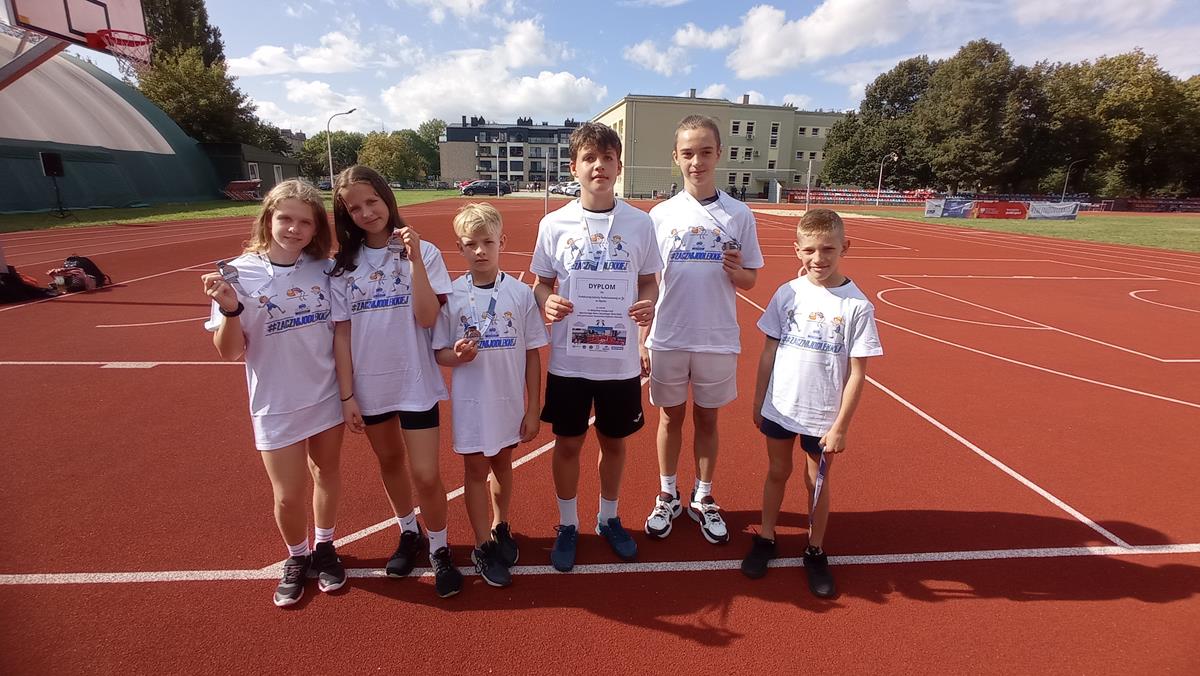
{"x":1017,"y":210}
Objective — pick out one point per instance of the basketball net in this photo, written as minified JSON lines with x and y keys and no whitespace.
{"x":131,"y":50}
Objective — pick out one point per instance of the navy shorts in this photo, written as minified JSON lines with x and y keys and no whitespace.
{"x":569,"y":405}
{"x":409,"y":420}
{"x":773,"y":430}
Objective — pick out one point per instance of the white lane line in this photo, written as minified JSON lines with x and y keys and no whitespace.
{"x":1043,"y":369}
{"x":27,"y":579}
{"x":1080,"y":516}
{"x":1135,"y":295}
{"x":170,"y":321}
{"x":882,"y":298}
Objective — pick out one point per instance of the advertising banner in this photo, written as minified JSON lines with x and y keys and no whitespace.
{"x":1053,"y":211}
{"x":933,"y":208}
{"x":948,"y":208}
{"x":1013,"y":210}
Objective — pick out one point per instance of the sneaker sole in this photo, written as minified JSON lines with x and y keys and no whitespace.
{"x":284,"y":603}
{"x":325,"y":589}
{"x":446,"y":596}
{"x":661,"y":535}
{"x":713,"y":539}
{"x":400,"y":572}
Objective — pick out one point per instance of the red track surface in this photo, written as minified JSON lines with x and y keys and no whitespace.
{"x":1031,"y":352}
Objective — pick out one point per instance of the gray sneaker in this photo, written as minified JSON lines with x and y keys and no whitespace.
{"x":291,"y":585}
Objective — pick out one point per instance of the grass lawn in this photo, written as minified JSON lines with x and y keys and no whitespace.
{"x":1166,"y":231}
{"x":176,"y":212}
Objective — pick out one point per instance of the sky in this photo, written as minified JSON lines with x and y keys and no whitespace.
{"x":401,"y":62}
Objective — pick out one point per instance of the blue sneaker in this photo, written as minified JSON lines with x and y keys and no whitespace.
{"x":562,"y":557}
{"x":618,"y":538}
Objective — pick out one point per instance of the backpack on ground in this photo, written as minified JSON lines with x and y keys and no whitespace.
{"x":89,"y":268}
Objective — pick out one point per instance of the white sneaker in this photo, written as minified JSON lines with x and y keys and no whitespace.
{"x":707,"y":513}
{"x":666,"y":508}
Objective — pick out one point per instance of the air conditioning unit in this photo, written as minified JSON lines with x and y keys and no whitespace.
{"x":749,"y":135}
{"x":756,"y":153}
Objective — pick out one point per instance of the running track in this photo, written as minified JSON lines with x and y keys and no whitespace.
{"x":1018,"y":494}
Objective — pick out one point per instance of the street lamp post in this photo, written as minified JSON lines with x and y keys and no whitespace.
{"x":1065,"y":179}
{"x":329,"y":142}
{"x":879,"y":186}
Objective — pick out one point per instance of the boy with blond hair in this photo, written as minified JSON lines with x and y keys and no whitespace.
{"x":820,"y":331}
{"x":606,"y":288}
{"x":496,"y":381}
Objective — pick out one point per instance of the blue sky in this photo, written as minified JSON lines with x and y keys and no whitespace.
{"x":404,"y":61}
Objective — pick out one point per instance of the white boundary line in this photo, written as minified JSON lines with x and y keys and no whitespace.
{"x":881,"y":296}
{"x":1134,"y":294}
{"x":168,"y":321}
{"x":614,"y":568}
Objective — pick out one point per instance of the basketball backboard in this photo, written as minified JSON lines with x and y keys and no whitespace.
{"x":77,"y":21}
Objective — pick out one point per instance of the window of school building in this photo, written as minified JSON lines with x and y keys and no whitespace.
{"x":816,"y":131}
{"x":746,"y":178}
{"x":732,"y":177}
{"x":750,"y":129}
{"x":774,"y":134}
{"x":770,"y":164}
{"x":799,"y":154}
{"x":735,"y":127}
{"x":746,"y":154}
{"x":800,"y":131}
{"x":797,"y":178}
{"x":812,"y":155}
{"x":733,"y":153}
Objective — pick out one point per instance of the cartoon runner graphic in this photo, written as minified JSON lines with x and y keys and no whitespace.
{"x":618,"y":247}
{"x":266,"y":301}
{"x":320,"y":296}
{"x":573,"y":251}
{"x":597,"y":250}
{"x":355,"y":287}
{"x":398,"y":283}
{"x":698,"y":243}
{"x":297,"y":292}
{"x":716,"y":233}
{"x":791,"y":320}
{"x":508,"y":323}
{"x":676,"y":240}
{"x":377,"y":278}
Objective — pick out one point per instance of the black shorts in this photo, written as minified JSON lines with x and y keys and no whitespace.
{"x":409,"y":420}
{"x":569,"y":405}
{"x":809,"y":444}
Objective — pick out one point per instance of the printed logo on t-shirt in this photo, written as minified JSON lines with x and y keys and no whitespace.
{"x":589,"y":253}
{"x":382,"y":291}
{"x":816,"y":332}
{"x":500,"y":335}
{"x":281,"y":320}
{"x":696,"y":244}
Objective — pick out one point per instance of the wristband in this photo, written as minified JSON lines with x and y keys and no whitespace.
{"x":235,"y":313}
{"x":348,"y":397}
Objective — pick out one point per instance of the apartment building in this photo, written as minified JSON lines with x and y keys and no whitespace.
{"x":520,"y":153}
{"x":759,"y":142}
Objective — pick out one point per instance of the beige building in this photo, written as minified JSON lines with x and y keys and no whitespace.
{"x":759,"y":142}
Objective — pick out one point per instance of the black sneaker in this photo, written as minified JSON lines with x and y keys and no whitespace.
{"x":506,"y":546}
{"x":404,"y":559}
{"x":820,"y":580}
{"x":762,"y":551}
{"x":447,"y":581}
{"x":291,"y":585}
{"x":487,"y":562}
{"x":328,"y":567}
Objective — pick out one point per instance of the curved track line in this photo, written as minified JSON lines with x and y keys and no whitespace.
{"x":950,"y":319}
{"x":169,"y":321}
{"x":1043,"y":369}
{"x":1135,"y":295}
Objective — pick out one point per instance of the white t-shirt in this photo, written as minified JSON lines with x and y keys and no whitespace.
{"x":489,"y":392}
{"x":696,"y":301}
{"x":818,"y":330}
{"x":565,"y":245}
{"x":289,"y":335}
{"x":394,"y":368}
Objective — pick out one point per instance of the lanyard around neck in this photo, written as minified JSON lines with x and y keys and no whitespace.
{"x":591,"y":247}
{"x":708,"y":213}
{"x":490,"y":316}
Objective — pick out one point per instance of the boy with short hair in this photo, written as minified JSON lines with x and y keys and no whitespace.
{"x":820,"y":331}
{"x":489,"y":331}
{"x":602,"y":255}
{"x":709,"y":244}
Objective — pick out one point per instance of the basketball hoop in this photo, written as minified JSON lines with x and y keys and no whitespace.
{"x":132,"y":50}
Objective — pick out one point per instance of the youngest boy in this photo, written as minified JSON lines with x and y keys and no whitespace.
{"x":820,"y":330}
{"x":490,"y":330}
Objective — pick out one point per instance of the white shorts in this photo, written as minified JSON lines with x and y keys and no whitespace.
{"x":713,"y":378}
{"x":279,"y":430}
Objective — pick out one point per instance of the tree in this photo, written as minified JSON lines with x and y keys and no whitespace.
{"x":202,"y":100}
{"x":393,"y":156}
{"x":894,"y":94}
{"x":431,"y":132}
{"x":959,"y":117}
{"x":314,"y":162}
{"x":182,"y":24}
{"x":266,"y":136}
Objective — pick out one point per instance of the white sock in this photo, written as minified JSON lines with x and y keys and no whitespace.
{"x":608,"y":510}
{"x":437,"y":540}
{"x":408,"y":523}
{"x":568,"y":512}
{"x":668,"y":484}
{"x":298,"y":550}
{"x":703,"y":490}
{"x":323,"y":535}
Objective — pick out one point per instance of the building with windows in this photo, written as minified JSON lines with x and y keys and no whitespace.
{"x":759,"y":142}
{"x":520,"y":153}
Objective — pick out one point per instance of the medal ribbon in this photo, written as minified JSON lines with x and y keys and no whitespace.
{"x":491,"y":311}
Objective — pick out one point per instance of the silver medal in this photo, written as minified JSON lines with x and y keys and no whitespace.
{"x":229,"y":273}
{"x":472,"y":334}
{"x":396,"y":246}
{"x":731,"y":245}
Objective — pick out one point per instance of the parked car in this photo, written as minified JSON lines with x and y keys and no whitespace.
{"x":324,"y":185}
{"x":486,"y":188}
{"x":395,"y":184}
{"x":571,"y":189}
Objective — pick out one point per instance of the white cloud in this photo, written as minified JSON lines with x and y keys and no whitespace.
{"x":801,"y":101}
{"x":646,"y":55}
{"x":338,"y":52}
{"x":438,"y":8}
{"x":297,"y":11}
{"x":450,"y":86}
{"x":692,"y":35}
{"x":769,"y":44}
{"x":1108,"y":12}
{"x":318,"y":101}
{"x":1175,"y":47}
